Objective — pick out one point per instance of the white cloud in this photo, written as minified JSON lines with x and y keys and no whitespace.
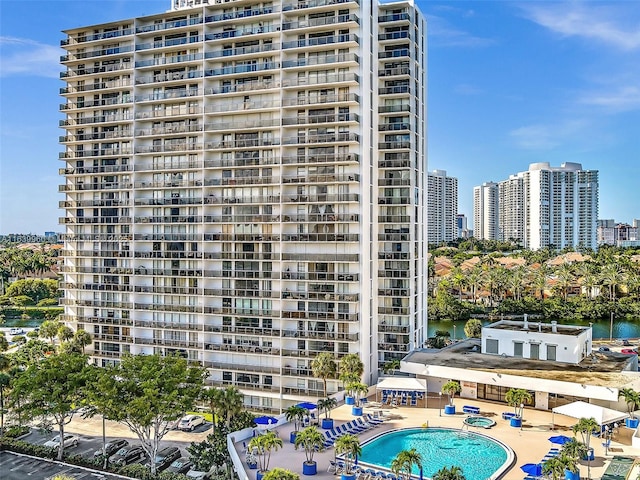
{"x":25,"y":57}
{"x":441,"y":33}
{"x":618,"y":99}
{"x":604,"y":23}
{"x":546,"y":137}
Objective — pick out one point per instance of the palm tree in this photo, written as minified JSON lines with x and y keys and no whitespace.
{"x":324,"y":366}
{"x":213,"y":398}
{"x":452,"y":473}
{"x":565,"y":277}
{"x":553,"y":468}
{"x":82,"y":338}
{"x":295,"y":414}
{"x":571,"y":452}
{"x":517,"y":398}
{"x":5,"y":379}
{"x":632,"y":398}
{"x":349,"y":446}
{"x":611,"y":276}
{"x":474,"y":277}
{"x":351,"y":368}
{"x":451,"y":388}
{"x":403,"y":464}
{"x":311,"y":440}
{"x":49,"y":329}
{"x":326,"y":404}
{"x":65,"y":333}
{"x":263,"y":445}
{"x":231,"y":404}
{"x":587,"y":427}
{"x":391,"y":366}
{"x":458,"y":280}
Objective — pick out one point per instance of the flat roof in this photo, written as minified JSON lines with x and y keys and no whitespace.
{"x":537,"y":326}
{"x":600,"y":368}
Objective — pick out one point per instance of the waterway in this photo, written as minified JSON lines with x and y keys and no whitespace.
{"x":621,"y":328}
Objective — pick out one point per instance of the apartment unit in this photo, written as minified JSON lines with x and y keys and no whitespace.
{"x":244,"y":186}
{"x":442,"y":207}
{"x":485,"y":211}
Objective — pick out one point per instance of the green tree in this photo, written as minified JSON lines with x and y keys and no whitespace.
{"x":146,"y":393}
{"x":324,"y":367}
{"x":65,"y":333}
{"x":450,"y":389}
{"x":351,"y":368}
{"x":573,"y":450}
{"x":4,"y":344}
{"x":586,"y":427}
{"x":449,"y":473}
{"x":82,"y":338}
{"x":311,"y":440}
{"x":473,"y":328}
{"x":517,"y":398}
{"x":402,"y":465}
{"x":280,"y":474}
{"x":264,"y":444}
{"x":295,"y":414}
{"x":49,"y":329}
{"x":632,"y":398}
{"x":49,"y":390}
{"x":391,"y":366}
{"x":554,"y":468}
{"x":326,"y":404}
{"x":231,"y":403}
{"x":349,"y":446}
{"x":5,"y":381}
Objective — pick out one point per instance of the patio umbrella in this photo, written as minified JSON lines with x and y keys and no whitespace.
{"x":265,"y":420}
{"x":560,"y":439}
{"x":308,"y":405}
{"x":534,"y":469}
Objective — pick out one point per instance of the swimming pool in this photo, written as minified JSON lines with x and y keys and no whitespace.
{"x":481,"y":422}
{"x":479,"y":456}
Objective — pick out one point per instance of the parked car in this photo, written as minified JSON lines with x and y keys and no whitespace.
{"x":189,"y":422}
{"x":604,"y":349}
{"x":165,"y":457}
{"x":16,"y":331}
{"x":112,"y":447}
{"x":181,"y":465}
{"x":127,"y":455}
{"x":198,"y":475}
{"x":626,"y":343}
{"x":70,"y":440}
{"x":629,"y":351}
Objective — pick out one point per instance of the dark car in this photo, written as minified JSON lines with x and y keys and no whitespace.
{"x":127,"y":455}
{"x":604,"y":349}
{"x":112,"y":447}
{"x":166,"y":457}
{"x":181,"y":465}
{"x":626,"y":343}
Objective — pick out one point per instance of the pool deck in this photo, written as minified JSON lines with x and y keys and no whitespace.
{"x":530,"y":443}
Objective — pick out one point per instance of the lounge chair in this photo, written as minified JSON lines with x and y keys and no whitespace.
{"x":414,"y":401}
{"x":373,"y":420}
{"x":362,"y":424}
{"x":333,"y":466}
{"x":353,"y":428}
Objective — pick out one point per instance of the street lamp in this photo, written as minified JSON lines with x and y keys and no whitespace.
{"x":454,"y":332}
{"x":521,"y":414}
{"x":440,"y":404}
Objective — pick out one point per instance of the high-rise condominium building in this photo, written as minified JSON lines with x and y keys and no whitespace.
{"x":485,"y":211}
{"x":244,"y":186}
{"x":548,"y":206}
{"x":442,"y":207}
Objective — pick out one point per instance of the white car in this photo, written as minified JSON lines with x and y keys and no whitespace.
{"x":70,"y":440}
{"x":189,"y":422}
{"x":16,"y":331}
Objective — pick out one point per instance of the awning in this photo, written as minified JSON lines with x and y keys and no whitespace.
{"x":602,"y":415}
{"x":403,"y":384}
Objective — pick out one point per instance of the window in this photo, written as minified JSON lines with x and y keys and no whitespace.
{"x":492,"y":346}
{"x":551,"y":352}
{"x":535,"y":351}
{"x":517,"y":349}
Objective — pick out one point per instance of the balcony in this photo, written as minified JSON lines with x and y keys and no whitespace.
{"x":322,"y":138}
{"x":400,"y":52}
{"x":317,"y":22}
{"x":313,"y":119}
{"x":324,"y":198}
{"x":241,"y":14}
{"x":241,"y":32}
{"x":302,"y":4}
{"x":395,"y":90}
{"x":395,"y":17}
{"x":320,"y":237}
{"x":169,"y":60}
{"x":320,"y":99}
{"x":172,"y":42}
{"x":321,"y":41}
{"x":242,"y":68}
{"x":322,"y":60}
{"x":155,"y":27}
{"x":169,"y":77}
{"x":169,"y":94}
{"x":404,"y":34}
{"x":238,"y":51}
{"x":327,"y":158}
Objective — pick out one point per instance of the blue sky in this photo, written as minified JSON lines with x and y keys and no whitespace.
{"x":510,"y":83}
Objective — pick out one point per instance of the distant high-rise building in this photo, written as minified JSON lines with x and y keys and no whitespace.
{"x":485,"y":211}
{"x":461,"y":226}
{"x":548,"y":206}
{"x":245,"y":185}
{"x":442,"y":207}
{"x":618,"y":234}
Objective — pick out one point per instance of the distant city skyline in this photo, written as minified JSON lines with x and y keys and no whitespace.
{"x":510,"y":83}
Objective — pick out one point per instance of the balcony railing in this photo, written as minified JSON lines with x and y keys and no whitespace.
{"x":169,"y":25}
{"x":154,"y":62}
{"x":241,"y":14}
{"x":317,"y":41}
{"x":315,"y":22}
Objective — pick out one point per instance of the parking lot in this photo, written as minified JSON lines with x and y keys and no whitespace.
{"x":89,"y":433}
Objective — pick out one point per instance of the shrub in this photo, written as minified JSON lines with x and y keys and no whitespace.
{"x":136,"y":470}
{"x":16,"y":431}
{"x":21,"y":301}
{"x":48,"y":302}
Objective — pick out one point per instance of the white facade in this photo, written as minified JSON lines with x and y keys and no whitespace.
{"x":537,"y":341}
{"x":485,"y":211}
{"x":244,"y":185}
{"x":442,"y":207}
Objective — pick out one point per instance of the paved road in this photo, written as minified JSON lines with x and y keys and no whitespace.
{"x":15,"y":467}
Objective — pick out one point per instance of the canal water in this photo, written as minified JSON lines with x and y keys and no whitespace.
{"x":621,"y":328}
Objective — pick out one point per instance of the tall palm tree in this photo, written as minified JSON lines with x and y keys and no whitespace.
{"x":351,"y":368}
{"x":213,"y":398}
{"x":474,"y":278}
{"x":458,"y":280}
{"x":586,"y":427}
{"x":311,"y":440}
{"x":402,"y":465}
{"x":564,"y":275}
{"x":295,"y":414}
{"x":326,"y":404}
{"x":231,"y":404}
{"x":451,"y":473}
{"x":82,"y":338}
{"x":324,"y":366}
{"x":349,"y":446}
{"x":553,"y":468}
{"x":611,"y":276}
{"x":631,"y":397}
{"x":517,"y":397}
{"x":264,"y":444}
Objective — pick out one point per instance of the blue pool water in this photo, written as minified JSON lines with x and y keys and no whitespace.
{"x":477,"y":455}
